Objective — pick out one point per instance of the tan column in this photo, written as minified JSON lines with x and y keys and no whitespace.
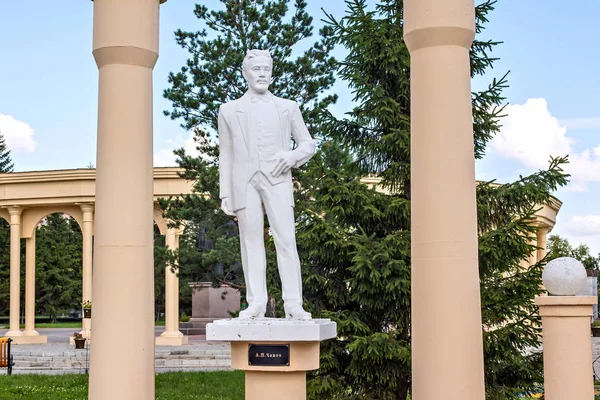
{"x":88,"y":234}
{"x":439,"y":34}
{"x":30,"y":335}
{"x":567,"y":346}
{"x":30,"y":287}
{"x":533,"y":257}
{"x":171,"y":336}
{"x":15,"y":271}
{"x":542,"y":242}
{"x":125,"y":49}
{"x":176,"y":287}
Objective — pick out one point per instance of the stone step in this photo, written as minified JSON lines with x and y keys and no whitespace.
{"x":200,"y":356}
{"x":64,"y":358}
{"x":213,"y":358}
{"x":193,"y":331}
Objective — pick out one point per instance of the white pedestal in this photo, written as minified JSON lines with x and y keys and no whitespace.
{"x":271,"y":329}
{"x":256,"y":343}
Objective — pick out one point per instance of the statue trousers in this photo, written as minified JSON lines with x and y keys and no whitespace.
{"x":263,"y":197}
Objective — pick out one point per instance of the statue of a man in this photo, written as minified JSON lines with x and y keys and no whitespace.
{"x":255,"y":161}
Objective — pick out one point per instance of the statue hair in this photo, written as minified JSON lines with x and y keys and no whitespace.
{"x":256,"y":53}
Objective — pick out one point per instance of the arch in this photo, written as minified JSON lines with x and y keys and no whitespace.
{"x":31,"y":217}
{"x":161,"y":222}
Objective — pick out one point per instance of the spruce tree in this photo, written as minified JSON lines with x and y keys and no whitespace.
{"x":355,"y":240}
{"x":4,"y":267}
{"x":58,"y":265}
{"x":209,"y":249}
{"x":6,"y":163}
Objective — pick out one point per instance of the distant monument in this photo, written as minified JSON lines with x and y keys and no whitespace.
{"x":255,"y":163}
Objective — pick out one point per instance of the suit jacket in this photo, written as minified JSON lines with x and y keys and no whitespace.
{"x":238,"y":160}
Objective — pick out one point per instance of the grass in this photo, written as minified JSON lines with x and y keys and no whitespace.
{"x":55,"y":325}
{"x":219,"y":385}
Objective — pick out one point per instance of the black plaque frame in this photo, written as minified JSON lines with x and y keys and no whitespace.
{"x":280,"y":352}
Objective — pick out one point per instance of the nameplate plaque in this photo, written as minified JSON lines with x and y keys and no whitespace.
{"x":269,"y":355}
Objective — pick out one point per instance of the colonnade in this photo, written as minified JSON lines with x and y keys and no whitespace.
{"x":23,"y":224}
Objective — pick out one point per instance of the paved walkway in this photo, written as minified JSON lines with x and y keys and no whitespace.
{"x":59,"y":357}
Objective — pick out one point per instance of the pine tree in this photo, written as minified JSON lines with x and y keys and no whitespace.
{"x":6,"y":163}
{"x":355,"y":240}
{"x":209,"y":249}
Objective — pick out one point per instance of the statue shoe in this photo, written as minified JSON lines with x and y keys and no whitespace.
{"x":252,"y":312}
{"x":297,"y":313}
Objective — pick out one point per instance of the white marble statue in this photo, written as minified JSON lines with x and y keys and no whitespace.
{"x":256,"y":160}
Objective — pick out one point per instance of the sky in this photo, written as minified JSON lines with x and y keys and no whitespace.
{"x":48,"y":92}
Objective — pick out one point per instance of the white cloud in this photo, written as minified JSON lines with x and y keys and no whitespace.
{"x":531,"y":135}
{"x":18,"y":135}
{"x":165,"y":157}
{"x":580,"y":229}
{"x":585,"y":225}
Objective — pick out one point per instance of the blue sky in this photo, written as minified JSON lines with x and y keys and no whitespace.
{"x":48,"y":92}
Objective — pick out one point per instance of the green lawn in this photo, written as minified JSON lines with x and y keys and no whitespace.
{"x":55,"y":325}
{"x":220,"y":385}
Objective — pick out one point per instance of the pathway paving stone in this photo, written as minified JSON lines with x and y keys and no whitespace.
{"x":62,"y":357}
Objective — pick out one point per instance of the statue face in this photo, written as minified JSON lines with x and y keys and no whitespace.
{"x":258,"y":74}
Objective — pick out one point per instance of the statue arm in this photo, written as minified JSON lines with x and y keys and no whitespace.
{"x":225,"y":157}
{"x":306,"y":145}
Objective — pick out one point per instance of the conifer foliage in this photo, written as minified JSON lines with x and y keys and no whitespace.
{"x":355,"y":241}
{"x":353,"y":238}
{"x":6,"y":163}
{"x":213,"y":76}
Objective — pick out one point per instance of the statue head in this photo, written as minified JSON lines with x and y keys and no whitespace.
{"x":257,"y":70}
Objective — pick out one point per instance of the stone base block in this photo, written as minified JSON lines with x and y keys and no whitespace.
{"x":39,"y":339}
{"x":261,"y":385}
{"x":171,"y":340}
{"x":271,"y":330}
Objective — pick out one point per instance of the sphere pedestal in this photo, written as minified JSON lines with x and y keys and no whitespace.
{"x":567,"y":346}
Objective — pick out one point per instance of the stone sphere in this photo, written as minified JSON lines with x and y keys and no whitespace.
{"x":564,"y":276}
